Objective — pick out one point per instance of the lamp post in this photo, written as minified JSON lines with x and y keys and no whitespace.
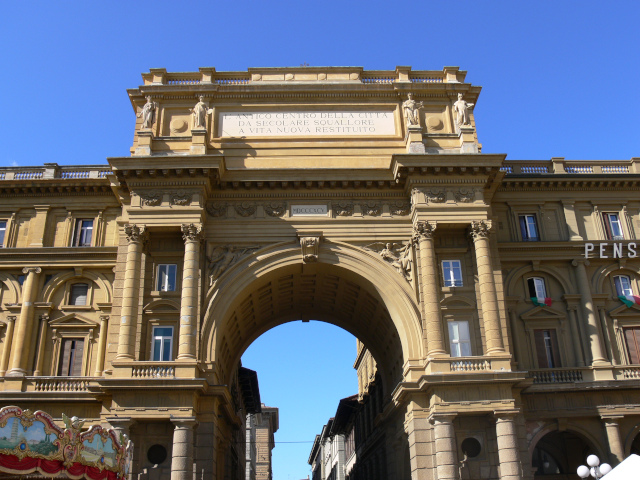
{"x":597,"y":471}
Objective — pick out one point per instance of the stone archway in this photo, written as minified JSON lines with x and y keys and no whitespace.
{"x":348,"y":287}
{"x":557,"y":454}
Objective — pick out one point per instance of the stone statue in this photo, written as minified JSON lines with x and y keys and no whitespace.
{"x":411,"y":110}
{"x":462,"y":111}
{"x":199,"y":113}
{"x":148,"y":113}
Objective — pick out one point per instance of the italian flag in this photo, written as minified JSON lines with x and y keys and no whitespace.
{"x":629,"y":300}
{"x":541,"y":302}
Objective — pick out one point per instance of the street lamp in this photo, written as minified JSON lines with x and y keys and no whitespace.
{"x":597,"y":471}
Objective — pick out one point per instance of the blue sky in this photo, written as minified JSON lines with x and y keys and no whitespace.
{"x":559,"y":79}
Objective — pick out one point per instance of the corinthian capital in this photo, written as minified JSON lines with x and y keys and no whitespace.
{"x":191,"y":232}
{"x":480,"y":229}
{"x":134,"y":233}
{"x":424,"y":230}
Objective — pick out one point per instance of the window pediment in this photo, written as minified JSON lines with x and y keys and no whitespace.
{"x":457,"y":302}
{"x":73,"y":320}
{"x":542,"y":313}
{"x":624,"y":311}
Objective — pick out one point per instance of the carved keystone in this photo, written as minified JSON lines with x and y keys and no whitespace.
{"x":310,"y":245}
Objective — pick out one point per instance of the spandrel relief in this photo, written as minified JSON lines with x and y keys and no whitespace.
{"x":399,"y":255}
{"x":223,"y":257}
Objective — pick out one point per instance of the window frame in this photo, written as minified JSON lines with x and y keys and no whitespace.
{"x":452,"y":274}
{"x":159,"y":278}
{"x":86,"y":294}
{"x":4,"y":224}
{"x":550,"y":345}
{"x":67,"y":305}
{"x":77,"y":232}
{"x":468,"y":341}
{"x":617,"y":280}
{"x":609,"y":226}
{"x":525,"y":233}
{"x":542,"y":283}
{"x":162,"y":344}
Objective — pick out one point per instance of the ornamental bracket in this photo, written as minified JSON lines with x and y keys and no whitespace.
{"x":310,"y":245}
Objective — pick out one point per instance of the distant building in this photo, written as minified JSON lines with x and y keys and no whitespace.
{"x":327,"y":457}
{"x":261,"y":427}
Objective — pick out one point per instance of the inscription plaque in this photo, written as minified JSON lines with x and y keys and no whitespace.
{"x":309,"y":210}
{"x":306,"y":123}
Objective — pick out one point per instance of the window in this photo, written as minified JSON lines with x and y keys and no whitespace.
{"x":537,"y":287}
{"x":161,"y":348}
{"x":83,"y":233}
{"x":71,"y":357}
{"x":3,"y":230}
{"x":529,"y":228}
{"x":623,"y":285}
{"x":632,"y":337}
{"x":78,"y":294}
{"x":452,"y":272}
{"x":459,"y":340}
{"x":167,"y":278}
{"x":547,"y":348}
{"x":612,"y":226}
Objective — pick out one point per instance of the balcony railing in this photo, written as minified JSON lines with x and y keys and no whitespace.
{"x":557,"y":375}
{"x":54,"y":171}
{"x":59,"y":384}
{"x":574,"y":167}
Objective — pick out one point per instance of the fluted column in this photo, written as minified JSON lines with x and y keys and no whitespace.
{"x":430,"y":287}
{"x":446,"y":446}
{"x":189,"y":300}
{"x":130,"y":293}
{"x":595,"y":340}
{"x":508,"y":452}
{"x":42,"y":336}
{"x":6,"y":349}
{"x":21,"y":348}
{"x":488,"y":297}
{"x":615,"y":439}
{"x":102,"y":345}
{"x":575,"y":336}
{"x":182,"y":452}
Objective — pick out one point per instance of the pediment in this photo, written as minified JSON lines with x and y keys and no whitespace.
{"x":161,"y":306}
{"x":457,"y":302}
{"x":73,"y":320}
{"x":624,"y":311}
{"x":543,"y":313}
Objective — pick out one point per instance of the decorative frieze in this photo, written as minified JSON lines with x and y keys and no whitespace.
{"x":464,"y":195}
{"x":343,"y":209}
{"x":275,"y":209}
{"x":372,"y":209}
{"x":400,"y":208}
{"x":217,"y":209}
{"x":245,"y":209}
{"x":180,"y":199}
{"x":151,"y":199}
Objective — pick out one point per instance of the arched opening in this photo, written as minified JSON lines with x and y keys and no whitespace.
{"x":635,"y":445}
{"x":354,"y":290}
{"x":558,"y":455}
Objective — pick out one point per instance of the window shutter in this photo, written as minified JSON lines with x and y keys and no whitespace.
{"x":555,"y":349}
{"x":523,"y":227}
{"x":532,"y":287}
{"x":541,"y":351}
{"x":65,"y":355}
{"x":607,"y":225}
{"x":632,"y":336}
{"x":79,"y":294}
{"x":76,"y":367}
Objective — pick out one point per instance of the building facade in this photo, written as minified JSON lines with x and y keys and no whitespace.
{"x":495,"y":298}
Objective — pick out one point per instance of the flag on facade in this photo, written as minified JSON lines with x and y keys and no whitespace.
{"x":629,"y":300}
{"x":541,"y":302}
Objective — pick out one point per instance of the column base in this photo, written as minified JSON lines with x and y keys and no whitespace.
{"x":16,"y":372}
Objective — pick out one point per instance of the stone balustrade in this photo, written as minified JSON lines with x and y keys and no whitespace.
{"x":58,"y":384}
{"x":574,"y":167}
{"x":54,"y":171}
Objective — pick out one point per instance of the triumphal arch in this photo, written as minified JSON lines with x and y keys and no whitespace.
{"x":487,"y":294}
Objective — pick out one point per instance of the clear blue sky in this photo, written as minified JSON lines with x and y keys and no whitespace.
{"x":559,"y":79}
